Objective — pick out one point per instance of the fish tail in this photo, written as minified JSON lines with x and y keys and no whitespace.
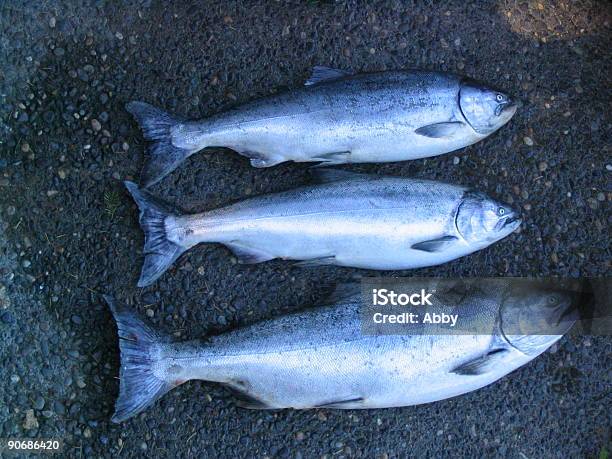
{"x":163,"y":155}
{"x":139,"y":386}
{"x":159,"y":251}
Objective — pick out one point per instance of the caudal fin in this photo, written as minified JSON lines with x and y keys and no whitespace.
{"x":159,"y":251}
{"x":163,"y":157}
{"x":139,"y":387}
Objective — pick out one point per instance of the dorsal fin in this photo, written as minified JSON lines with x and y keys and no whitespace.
{"x":320,"y":74}
{"x":323,"y":175}
{"x":342,"y":292}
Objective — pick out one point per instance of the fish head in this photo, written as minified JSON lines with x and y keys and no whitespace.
{"x":485,"y":109}
{"x":481,"y":220}
{"x":533,"y":318}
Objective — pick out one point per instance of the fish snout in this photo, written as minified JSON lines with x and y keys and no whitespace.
{"x":510,"y":222}
{"x":508,"y":109}
{"x":568,"y":314}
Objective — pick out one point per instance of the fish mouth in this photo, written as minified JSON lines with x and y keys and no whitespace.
{"x":510,"y":223}
{"x":507,"y":109}
{"x":568,"y":315}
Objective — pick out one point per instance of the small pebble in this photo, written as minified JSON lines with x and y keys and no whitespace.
{"x":7,"y":318}
{"x":52,"y":22}
{"x":456,"y":160}
{"x":601,"y":196}
{"x":39,"y":403}
{"x":30,"y":421}
{"x":542,"y":166}
{"x":528,"y":141}
{"x":59,"y":408}
{"x":95,"y":125}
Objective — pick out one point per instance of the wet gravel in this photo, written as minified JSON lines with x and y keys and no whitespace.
{"x":69,"y":232}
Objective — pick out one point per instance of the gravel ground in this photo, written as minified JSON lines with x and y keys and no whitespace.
{"x":68,"y":230}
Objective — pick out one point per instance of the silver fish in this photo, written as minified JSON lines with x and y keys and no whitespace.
{"x":356,"y":220}
{"x":336,"y":118}
{"x":321,"y":358}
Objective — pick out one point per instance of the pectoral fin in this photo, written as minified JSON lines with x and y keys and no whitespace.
{"x":482,"y":365}
{"x":435,"y":245}
{"x":440,"y":130}
{"x":320,"y":74}
{"x":248,"y":255}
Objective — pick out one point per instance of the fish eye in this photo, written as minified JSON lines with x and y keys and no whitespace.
{"x":499,"y":98}
{"x":552,"y":300}
{"x":501,"y":211}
